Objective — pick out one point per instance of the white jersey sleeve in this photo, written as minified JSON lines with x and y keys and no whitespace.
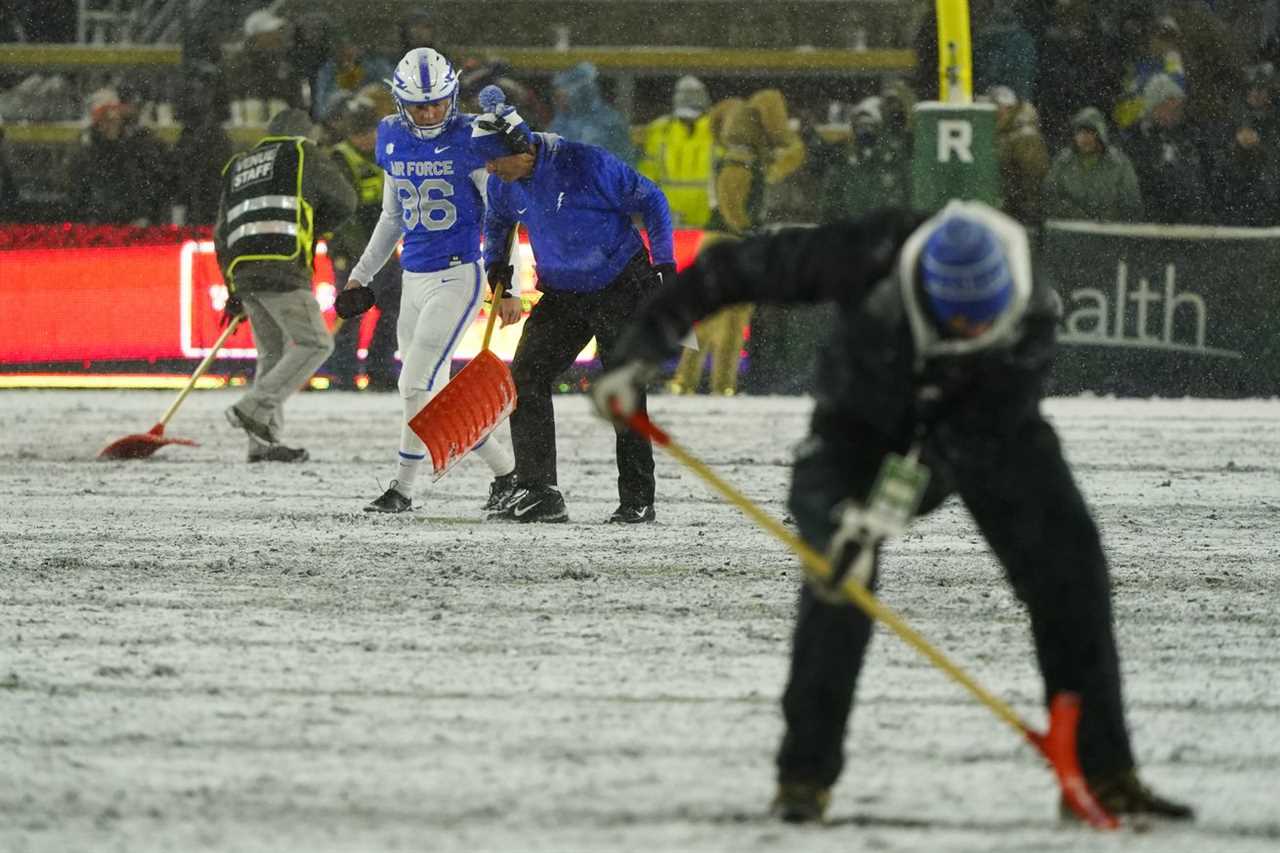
{"x":386,"y":234}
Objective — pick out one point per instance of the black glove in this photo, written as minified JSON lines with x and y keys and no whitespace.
{"x":353,"y":302}
{"x":500,"y":277}
{"x":233,"y":309}
{"x":516,"y":141}
{"x":664,"y":274}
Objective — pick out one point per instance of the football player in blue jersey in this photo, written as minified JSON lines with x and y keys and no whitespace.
{"x":433,"y":198}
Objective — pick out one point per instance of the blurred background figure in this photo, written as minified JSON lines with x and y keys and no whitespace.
{"x":678,"y":153}
{"x":121,"y":173}
{"x":310,"y":48}
{"x":1246,"y":175}
{"x":582,"y":115}
{"x":1165,"y":151}
{"x":1004,"y":53}
{"x":417,"y":29}
{"x":1091,"y":179}
{"x":872,"y":171}
{"x":1152,"y":46}
{"x":1022,"y":154}
{"x":351,"y":67}
{"x":477,"y":72}
{"x":203,"y":147}
{"x":759,"y":147}
{"x":354,"y":156}
{"x":262,"y":77}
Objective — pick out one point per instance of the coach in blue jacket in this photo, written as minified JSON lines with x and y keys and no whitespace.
{"x":576,"y":202}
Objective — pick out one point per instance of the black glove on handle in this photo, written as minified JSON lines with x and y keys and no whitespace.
{"x":233,"y":309}
{"x":500,"y":277}
{"x":665,"y":273}
{"x":353,"y":302}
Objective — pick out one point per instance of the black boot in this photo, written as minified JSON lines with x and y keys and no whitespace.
{"x":1124,"y":795}
{"x":800,"y":802}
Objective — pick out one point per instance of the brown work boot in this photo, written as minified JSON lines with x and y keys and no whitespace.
{"x":800,"y":802}
{"x":1124,"y":795}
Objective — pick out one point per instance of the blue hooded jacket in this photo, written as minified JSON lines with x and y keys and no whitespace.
{"x":577,"y":207}
{"x":585,"y":117}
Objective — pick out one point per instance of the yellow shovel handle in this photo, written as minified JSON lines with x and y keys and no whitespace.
{"x":816,"y":566}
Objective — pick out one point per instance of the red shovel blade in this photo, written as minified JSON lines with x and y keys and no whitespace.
{"x":141,"y":445}
{"x":465,"y":411}
{"x":1058,"y":746}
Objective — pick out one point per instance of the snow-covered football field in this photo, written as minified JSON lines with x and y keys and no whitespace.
{"x":199,"y":654}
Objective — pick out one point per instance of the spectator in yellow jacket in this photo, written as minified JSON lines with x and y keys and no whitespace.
{"x":758,"y":147}
{"x":678,"y":154}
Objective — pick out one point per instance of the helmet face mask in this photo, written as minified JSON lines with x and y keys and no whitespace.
{"x":423,"y":76}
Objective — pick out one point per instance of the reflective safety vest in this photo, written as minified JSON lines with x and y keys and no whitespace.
{"x":678,"y":158}
{"x":267,"y":219}
{"x":365,"y":172}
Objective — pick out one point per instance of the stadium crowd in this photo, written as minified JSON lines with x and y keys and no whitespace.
{"x":1127,"y":111}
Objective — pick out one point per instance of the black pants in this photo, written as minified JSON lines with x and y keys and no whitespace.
{"x":560,"y":325}
{"x":1069,"y":603}
{"x":380,"y":362}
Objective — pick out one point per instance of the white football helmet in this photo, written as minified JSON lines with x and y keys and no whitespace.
{"x":424,"y":76}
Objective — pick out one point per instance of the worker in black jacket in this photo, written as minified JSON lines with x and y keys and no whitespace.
{"x":943,"y":344}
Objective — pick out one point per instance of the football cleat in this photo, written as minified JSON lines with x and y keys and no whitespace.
{"x":632,"y":514}
{"x":392,"y":500}
{"x":800,"y":802}
{"x":500,"y":491}
{"x":1124,"y":796}
{"x":538,"y":504}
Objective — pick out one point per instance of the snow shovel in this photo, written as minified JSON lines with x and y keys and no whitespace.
{"x":1057,"y":745}
{"x":469,"y":407}
{"x":143,"y":444}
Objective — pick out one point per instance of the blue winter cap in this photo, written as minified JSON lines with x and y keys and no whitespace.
{"x":499,"y":134}
{"x":965,"y":274}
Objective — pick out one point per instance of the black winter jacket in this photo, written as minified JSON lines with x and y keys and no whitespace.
{"x":872,"y":370}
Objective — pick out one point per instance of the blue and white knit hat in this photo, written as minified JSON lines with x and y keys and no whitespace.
{"x":965,"y":274}
{"x":498,"y":131}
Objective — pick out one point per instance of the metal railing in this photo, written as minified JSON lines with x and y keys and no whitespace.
{"x":134,"y":21}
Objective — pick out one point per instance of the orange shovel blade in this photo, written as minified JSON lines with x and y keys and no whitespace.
{"x":1058,"y":746}
{"x":465,"y":411}
{"x":141,"y":445}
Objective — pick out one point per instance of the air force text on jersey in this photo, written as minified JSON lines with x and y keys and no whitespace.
{"x":421,"y":168}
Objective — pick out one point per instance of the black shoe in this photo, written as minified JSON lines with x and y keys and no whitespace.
{"x":392,"y":500}
{"x":541,"y":503}
{"x":1124,"y":795}
{"x":500,"y":491}
{"x":800,"y":802}
{"x":257,"y":430}
{"x":277,"y":453}
{"x":632,"y":514}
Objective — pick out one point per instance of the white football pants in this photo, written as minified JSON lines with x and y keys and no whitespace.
{"x":436,"y":309}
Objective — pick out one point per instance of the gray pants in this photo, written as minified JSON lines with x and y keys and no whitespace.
{"x":292,"y":341}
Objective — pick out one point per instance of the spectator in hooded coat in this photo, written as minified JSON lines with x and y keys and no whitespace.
{"x":1091,"y":178}
{"x":582,"y":115}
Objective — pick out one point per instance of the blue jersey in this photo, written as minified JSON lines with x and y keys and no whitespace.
{"x":440,"y":185}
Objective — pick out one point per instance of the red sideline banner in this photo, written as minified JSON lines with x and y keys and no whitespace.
{"x":158,"y":299}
